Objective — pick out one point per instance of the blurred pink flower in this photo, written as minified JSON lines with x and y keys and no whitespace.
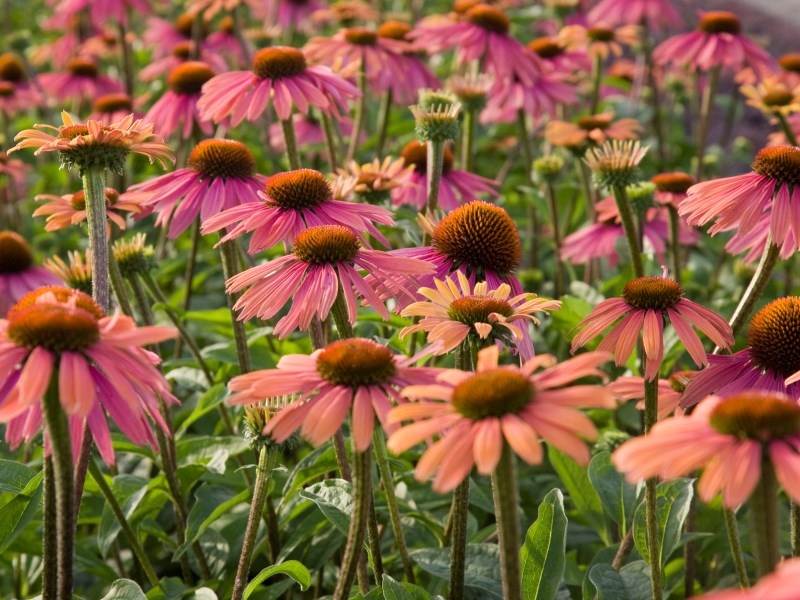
{"x":81,"y":81}
{"x":657,"y":14}
{"x":177,"y":108}
{"x":18,"y":274}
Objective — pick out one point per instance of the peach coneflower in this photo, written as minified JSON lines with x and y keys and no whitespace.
{"x":70,"y":209}
{"x":671,"y":188}
{"x":645,"y":304}
{"x":591,"y":129}
{"x":352,"y":375}
{"x":375,"y":180}
{"x":456,"y":312}
{"x":773,"y":96}
{"x":599,"y":40}
{"x":177,"y":108}
{"x":18,"y":274}
{"x":76,"y":271}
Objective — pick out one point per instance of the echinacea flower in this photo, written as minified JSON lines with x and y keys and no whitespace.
{"x":645,"y":304}
{"x":291,"y":202}
{"x":657,"y":14}
{"x":773,"y":96}
{"x":76,"y":272}
{"x":412,"y":64}
{"x":81,"y":81}
{"x":111,"y":108}
{"x":717,"y":42}
{"x":615,"y":163}
{"x":70,"y":209}
{"x":291,"y":15}
{"x":184,"y":51}
{"x":458,"y":312}
{"x":590,"y":130}
{"x":554,"y":54}
{"x":356,"y":376}
{"x":767,"y":364}
{"x":98,"y":361}
{"x":13,"y":174}
{"x":94,"y":145}
{"x":599,"y":39}
{"x":729,"y":439}
{"x":671,"y":188}
{"x":325,"y":261}
{"x":177,"y":108}
{"x":539,"y":99}
{"x":769,"y":194}
{"x":456,"y":186}
{"x":279,"y":74}
{"x":18,"y":274}
{"x":220,"y":174}
{"x":476,"y":414}
{"x":375,"y":180}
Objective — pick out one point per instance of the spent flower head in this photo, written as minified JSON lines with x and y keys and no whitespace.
{"x":437,"y":123}
{"x":615,"y":163}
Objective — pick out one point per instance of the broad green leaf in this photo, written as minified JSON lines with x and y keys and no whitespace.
{"x":580,"y":490}
{"x":129,"y":491}
{"x":20,"y":509}
{"x":201,"y":449}
{"x":294,"y":569}
{"x":14,"y":476}
{"x":617,"y":495}
{"x":395,"y":590}
{"x":211,"y":502}
{"x":125,"y":589}
{"x":214,"y":396}
{"x":632,"y":582}
{"x":335,"y":500}
{"x":173,"y":588}
{"x":673,"y":499}
{"x":482,"y":572}
{"x":542,"y":557}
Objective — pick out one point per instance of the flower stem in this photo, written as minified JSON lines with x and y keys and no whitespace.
{"x":504,"y":488}
{"x":94,"y":189}
{"x":675,"y":244}
{"x":467,"y":140}
{"x":49,"y":566}
{"x":705,"y":119}
{"x":559,"y":265}
{"x":650,"y":497}
{"x":290,"y":140}
{"x":787,"y":130}
{"x":736,"y":547}
{"x":61,"y":455}
{"x":764,"y":520}
{"x":330,"y":142}
{"x":361,"y":110}
{"x":757,"y":284}
{"x":188,"y":278}
{"x":629,"y":226}
{"x":655,"y":98}
{"x":340,"y":317}
{"x":362,"y":497}
{"x":435,"y":166}
{"x":597,"y":77}
{"x":229,"y":269}
{"x":383,"y":121}
{"x":794,"y":523}
{"x":130,"y":534}
{"x":267,"y":457}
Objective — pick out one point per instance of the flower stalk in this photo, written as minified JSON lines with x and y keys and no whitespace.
{"x":757,"y":284}
{"x":504,"y":488}
{"x":94,"y":186}
{"x":736,"y":547}
{"x":764,"y":520}
{"x":629,"y":226}
{"x":707,"y":103}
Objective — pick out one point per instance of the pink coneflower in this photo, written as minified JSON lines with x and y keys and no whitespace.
{"x":70,"y":209}
{"x":183,"y":52}
{"x":293,"y":15}
{"x":541,"y":99}
{"x":344,"y":11}
{"x":554,"y":53}
{"x":291,"y":202}
{"x":112,"y":108}
{"x":225,"y":43}
{"x":657,"y":14}
{"x":375,"y":180}
{"x":771,"y":356}
{"x":101,"y":11}
{"x":209,"y":8}
{"x":781,"y":584}
{"x":479,"y":412}
{"x":353,"y":375}
{"x":645,"y":303}
{"x":771,"y":193}
{"x":416,"y":73}
{"x":324,"y":260}
{"x":99,"y":361}
{"x":456,"y":186}
{"x":162,"y":36}
{"x":178,"y":106}
{"x":81,"y":81}
{"x":219,"y":175}
{"x":592,"y":129}
{"x":458,"y":312}
{"x":718,"y":42}
{"x":13,"y":174}
{"x":14,"y":100}
{"x":482,"y":34}
{"x":279,"y":73}
{"x":599,"y":39}
{"x":730,"y":439}
{"x":93,"y":144}
{"x":671,"y":188}
{"x":18,"y":275}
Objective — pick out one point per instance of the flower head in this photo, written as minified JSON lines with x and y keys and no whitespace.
{"x":729,"y":439}
{"x":599,"y":39}
{"x":18,"y":274}
{"x":645,"y":303}
{"x":111,"y":108}
{"x":671,"y":188}
{"x":352,"y":375}
{"x":177,"y":108}
{"x":657,"y":14}
{"x":70,"y":209}
{"x":76,"y":272}
{"x":98,"y":361}
{"x":375,"y":180}
{"x":477,"y":413}
{"x":438,"y":123}
{"x":615,"y":163}
{"x":773,"y":96}
{"x":591,"y":130}
{"x":82,"y":80}
{"x":93,"y":145}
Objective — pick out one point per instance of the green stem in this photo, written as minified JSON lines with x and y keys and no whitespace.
{"x":757,"y":284}
{"x":229,"y":269}
{"x":267,"y":457}
{"x":597,"y":78}
{"x":435,"y":165}
{"x":94,"y":189}
{"x":49,"y":562}
{"x":340,"y":317}
{"x":290,"y":140}
{"x":383,"y":121}
{"x":330,"y":142}
{"x":787,"y":130}
{"x":362,"y":496}
{"x":361,"y":111}
{"x":385,"y":470}
{"x":736,"y":547}
{"x":468,"y":139}
{"x":674,"y":242}
{"x":504,"y":488}
{"x":655,"y":98}
{"x":61,"y":455}
{"x":559,"y":267}
{"x":705,"y":119}
{"x":130,"y":534}
{"x":764,"y":521}
{"x":588,"y":189}
{"x":794,"y":527}
{"x":459,"y":513}
{"x":118,"y":284}
{"x":188,"y":277}
{"x":651,"y":506}
{"x":629,"y":226}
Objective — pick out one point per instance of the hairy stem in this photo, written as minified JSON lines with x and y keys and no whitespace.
{"x":362,"y":497}
{"x":736,"y":547}
{"x":629,"y":226}
{"x":504,"y":488}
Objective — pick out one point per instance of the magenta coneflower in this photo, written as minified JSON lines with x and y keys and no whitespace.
{"x":718,"y":42}
{"x":161,"y":36}
{"x":730,"y":439}
{"x":112,"y":108}
{"x":478,"y":413}
{"x":645,"y":304}
{"x":101,"y":11}
{"x":220,"y":174}
{"x":18,"y":275}
{"x":81,"y":81}
{"x":657,"y":14}
{"x":15,"y":100}
{"x":70,"y":209}
{"x":183,"y":52}
{"x":456,"y":186}
{"x":292,"y":15}
{"x":292,"y":202}
{"x":482,"y":34}
{"x":554,"y":54}
{"x":456,"y":312}
{"x":280,"y":74}
{"x":353,"y":375}
{"x":224,"y":42}
{"x":177,"y":108}
{"x":771,"y":193}
{"x":671,"y":188}
{"x":13,"y":174}
{"x":325,"y":260}
{"x":416,"y":73}
{"x":767,"y":364}
{"x":99,"y":361}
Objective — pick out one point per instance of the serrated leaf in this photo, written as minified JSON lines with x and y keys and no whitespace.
{"x":19,"y":510}
{"x":482,"y":571}
{"x":543,"y":554}
{"x":125,"y":589}
{"x":211,"y":502}
{"x":294,"y":569}
{"x":580,"y":490}
{"x":335,"y":499}
{"x":617,"y":495}
{"x":673,"y":499}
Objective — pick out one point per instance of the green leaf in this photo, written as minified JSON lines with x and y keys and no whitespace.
{"x":211,"y":502}
{"x":202,"y":448}
{"x":673,"y":499}
{"x":14,"y":476}
{"x":17,"y":512}
{"x":543,"y":555}
{"x":129,"y":491}
{"x":482,"y":572}
{"x":632,"y":582}
{"x":335,"y":499}
{"x":395,"y":590}
{"x":617,"y":495}
{"x":294,"y":569}
{"x":213,"y":397}
{"x":125,"y":589}
{"x":580,"y":490}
